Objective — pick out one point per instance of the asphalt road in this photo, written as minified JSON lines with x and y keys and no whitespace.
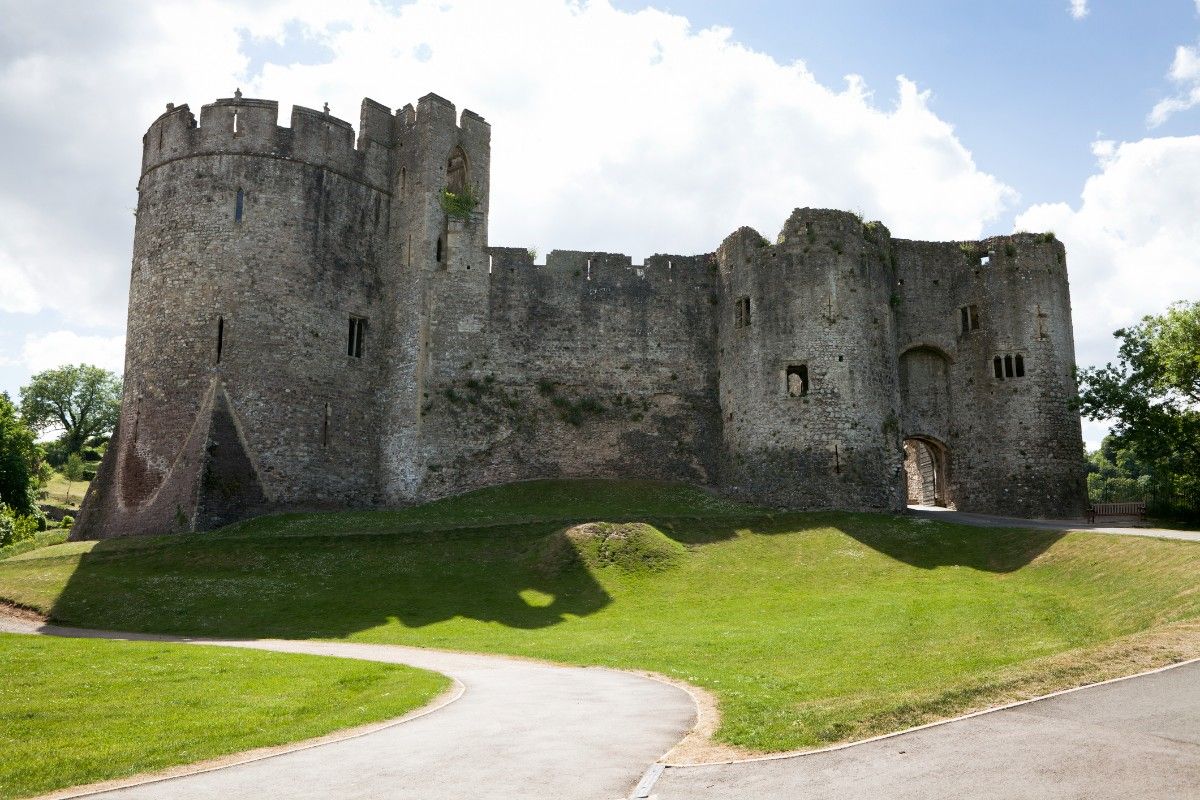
{"x":521,"y":729}
{"x":1136,"y":738}
{"x":1107,"y":525}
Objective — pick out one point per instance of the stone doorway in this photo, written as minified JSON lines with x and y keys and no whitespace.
{"x":925,"y":470}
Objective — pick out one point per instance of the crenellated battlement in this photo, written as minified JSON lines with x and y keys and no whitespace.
{"x":249,"y":126}
{"x":581,"y":270}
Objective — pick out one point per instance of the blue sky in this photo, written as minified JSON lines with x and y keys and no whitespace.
{"x":1027,"y":87}
{"x":637,"y":127}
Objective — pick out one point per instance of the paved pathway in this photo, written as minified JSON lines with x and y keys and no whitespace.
{"x":522,"y":729}
{"x":990,"y":521}
{"x":1137,"y":738}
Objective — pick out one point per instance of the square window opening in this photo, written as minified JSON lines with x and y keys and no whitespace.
{"x":796,"y":378}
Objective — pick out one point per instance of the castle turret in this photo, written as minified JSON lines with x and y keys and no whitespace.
{"x":440,"y":266}
{"x":255,"y":304}
{"x":808,"y":371}
{"x":987,"y":365}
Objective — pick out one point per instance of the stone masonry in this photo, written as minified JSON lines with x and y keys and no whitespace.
{"x":315,"y":322}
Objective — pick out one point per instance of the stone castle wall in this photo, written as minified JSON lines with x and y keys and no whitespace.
{"x":786,"y":372}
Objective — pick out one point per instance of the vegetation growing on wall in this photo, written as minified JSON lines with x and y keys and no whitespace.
{"x":460,"y":205}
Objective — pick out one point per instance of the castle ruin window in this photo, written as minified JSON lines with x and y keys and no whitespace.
{"x":796,"y":378}
{"x":437,"y":255}
{"x":456,"y":172}
{"x":969,"y":317}
{"x":238,"y":206}
{"x":742,"y":312}
{"x":1009,"y":365}
{"x":325,"y":427}
{"x":220,"y":337}
{"x":358,"y":332}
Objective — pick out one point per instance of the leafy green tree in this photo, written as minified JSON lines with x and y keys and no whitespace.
{"x":72,"y":470}
{"x":1153,"y":398}
{"x":20,"y":460}
{"x":84,"y":401}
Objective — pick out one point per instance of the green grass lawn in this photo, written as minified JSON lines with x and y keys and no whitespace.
{"x":65,"y":494}
{"x":74,"y":711}
{"x":809,"y":628}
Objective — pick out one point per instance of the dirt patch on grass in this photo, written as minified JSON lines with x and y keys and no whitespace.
{"x":21,"y":612}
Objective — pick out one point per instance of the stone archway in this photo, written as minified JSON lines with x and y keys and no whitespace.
{"x":927,"y":472}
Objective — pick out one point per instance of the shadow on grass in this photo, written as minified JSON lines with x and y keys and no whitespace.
{"x":329,"y":585}
{"x":326,"y":586}
{"x":928,"y":544}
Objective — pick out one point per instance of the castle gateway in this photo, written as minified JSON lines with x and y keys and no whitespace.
{"x":316,"y":322}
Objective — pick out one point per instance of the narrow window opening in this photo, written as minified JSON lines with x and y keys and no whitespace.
{"x":969,"y":317}
{"x":490,"y":263}
{"x":1008,"y":366}
{"x":797,"y":380}
{"x":325,"y":427}
{"x":403,"y":178}
{"x":589,"y":269}
{"x":235,"y":123}
{"x":220,"y":337}
{"x":438,"y":254}
{"x":840,"y":358}
{"x":742,"y":312}
{"x":239,"y":205}
{"x":160,"y":139}
{"x":358,"y":332}
{"x":1020,"y":359}
{"x":837,"y":460}
{"x":670,"y":272}
{"x":998,"y":367}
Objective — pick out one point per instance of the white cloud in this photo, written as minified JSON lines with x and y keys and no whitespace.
{"x":1185,"y":74}
{"x":1079,"y":9}
{"x":1132,"y":242}
{"x":620,"y":131}
{"x":54,"y":349}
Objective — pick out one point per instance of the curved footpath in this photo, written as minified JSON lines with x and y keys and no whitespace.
{"x":1130,"y":738}
{"x":521,"y":729}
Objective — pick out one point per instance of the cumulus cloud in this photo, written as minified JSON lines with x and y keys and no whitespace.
{"x":1185,"y":74}
{"x":621,"y":131}
{"x":1079,"y":9}
{"x":1132,"y":241}
{"x":54,"y":349}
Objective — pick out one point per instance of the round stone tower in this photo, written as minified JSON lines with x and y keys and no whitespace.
{"x":808,"y":384}
{"x":254,"y":319}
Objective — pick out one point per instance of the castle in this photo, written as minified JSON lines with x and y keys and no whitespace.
{"x":319,"y":322}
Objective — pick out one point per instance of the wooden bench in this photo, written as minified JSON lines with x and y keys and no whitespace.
{"x":1137,"y":509}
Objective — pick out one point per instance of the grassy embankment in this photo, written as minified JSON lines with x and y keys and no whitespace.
{"x":809,"y":628}
{"x":75,"y":711}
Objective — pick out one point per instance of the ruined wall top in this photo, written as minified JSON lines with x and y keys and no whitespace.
{"x":249,"y":126}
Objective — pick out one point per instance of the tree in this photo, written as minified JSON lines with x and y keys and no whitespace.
{"x":19,"y":460}
{"x":72,"y":470}
{"x":84,"y":401}
{"x":1153,"y":398}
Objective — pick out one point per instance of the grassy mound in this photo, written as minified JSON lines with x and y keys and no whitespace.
{"x":66,"y":715}
{"x":632,"y":546}
{"x":809,"y":628}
